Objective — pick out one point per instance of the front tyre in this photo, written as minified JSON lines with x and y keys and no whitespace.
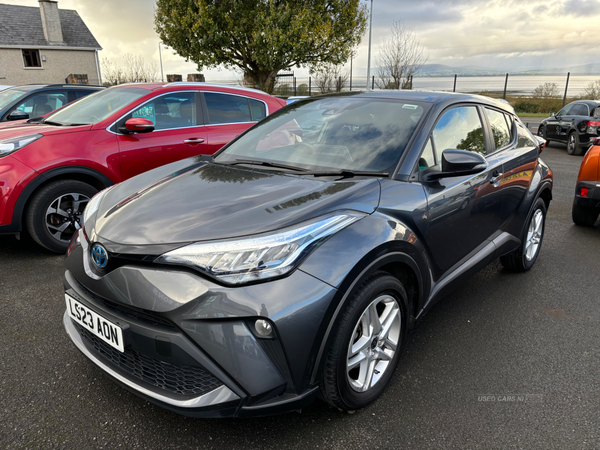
{"x":366,"y":344}
{"x":55,"y":213}
{"x":542,"y":133}
{"x":523,"y":258}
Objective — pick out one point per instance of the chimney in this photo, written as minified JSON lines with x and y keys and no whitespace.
{"x":51,"y":22}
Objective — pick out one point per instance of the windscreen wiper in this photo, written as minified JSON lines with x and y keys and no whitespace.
{"x":48,"y":122}
{"x":262,"y":163}
{"x":346,"y":173}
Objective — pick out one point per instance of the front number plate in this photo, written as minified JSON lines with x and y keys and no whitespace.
{"x":95,"y":323}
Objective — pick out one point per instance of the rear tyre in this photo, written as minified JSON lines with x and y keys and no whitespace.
{"x":366,"y":346}
{"x":523,"y":258}
{"x":584,"y":216}
{"x":573,"y":144}
{"x":55,"y":213}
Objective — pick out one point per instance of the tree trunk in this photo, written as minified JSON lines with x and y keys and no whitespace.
{"x":264,"y":80}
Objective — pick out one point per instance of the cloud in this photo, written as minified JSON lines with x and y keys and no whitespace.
{"x":581,"y":8}
{"x":481,"y":32}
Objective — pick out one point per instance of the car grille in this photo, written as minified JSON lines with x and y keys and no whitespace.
{"x":135,"y":313}
{"x":182,"y":380}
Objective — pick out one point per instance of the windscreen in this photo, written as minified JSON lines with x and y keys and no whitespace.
{"x":96,"y":107}
{"x":351,"y":133}
{"x":9,"y":95}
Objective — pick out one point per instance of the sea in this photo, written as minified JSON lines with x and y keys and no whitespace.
{"x":516,"y":84}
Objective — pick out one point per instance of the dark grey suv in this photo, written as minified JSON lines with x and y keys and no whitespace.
{"x":294,"y":262}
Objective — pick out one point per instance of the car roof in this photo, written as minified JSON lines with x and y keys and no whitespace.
{"x":190,"y":84}
{"x":34,"y":87}
{"x":435,"y":97}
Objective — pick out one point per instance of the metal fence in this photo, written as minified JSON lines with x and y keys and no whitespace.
{"x":500,"y":85}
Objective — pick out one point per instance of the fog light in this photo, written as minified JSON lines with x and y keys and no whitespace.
{"x":584,"y":192}
{"x":263,"y":328}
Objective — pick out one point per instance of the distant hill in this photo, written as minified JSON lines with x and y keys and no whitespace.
{"x":441,"y":70}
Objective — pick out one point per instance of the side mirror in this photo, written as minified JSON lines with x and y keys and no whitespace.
{"x":457,"y":163}
{"x":18,"y":115}
{"x":137,"y":125}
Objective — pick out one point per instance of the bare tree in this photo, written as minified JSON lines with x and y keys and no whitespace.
{"x":133,"y":70}
{"x":546,"y":91}
{"x":329,"y":78}
{"x":400,"y":58}
{"x":592,"y":91}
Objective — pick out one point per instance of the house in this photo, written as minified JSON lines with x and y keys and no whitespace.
{"x":46,"y":45}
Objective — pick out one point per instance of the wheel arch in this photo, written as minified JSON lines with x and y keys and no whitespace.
{"x":400,"y":265}
{"x":79,"y":173}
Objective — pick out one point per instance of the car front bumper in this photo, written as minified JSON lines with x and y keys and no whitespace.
{"x":190,"y":344}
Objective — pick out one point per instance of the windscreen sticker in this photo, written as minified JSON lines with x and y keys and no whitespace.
{"x":410,"y":106}
{"x":147,"y":112}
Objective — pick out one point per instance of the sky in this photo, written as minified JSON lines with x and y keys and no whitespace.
{"x":504,"y":35}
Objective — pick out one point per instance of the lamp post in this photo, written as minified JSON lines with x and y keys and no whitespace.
{"x":369,"y":58}
{"x":162,"y":73}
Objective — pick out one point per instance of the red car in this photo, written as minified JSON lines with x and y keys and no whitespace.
{"x":50,"y":170}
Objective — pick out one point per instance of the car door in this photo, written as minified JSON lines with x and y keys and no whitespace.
{"x":178,"y":133}
{"x":228,"y":115}
{"x":553,"y":127}
{"x":565,"y":122}
{"x":516,"y":150}
{"x":463,"y":212}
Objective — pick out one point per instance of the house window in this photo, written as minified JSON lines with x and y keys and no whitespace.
{"x":31,"y":58}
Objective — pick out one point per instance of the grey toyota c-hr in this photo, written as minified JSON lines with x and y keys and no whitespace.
{"x":292,"y":263}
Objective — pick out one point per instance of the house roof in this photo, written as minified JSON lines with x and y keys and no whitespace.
{"x":22,"y":26}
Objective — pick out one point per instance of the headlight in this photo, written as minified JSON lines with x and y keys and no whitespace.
{"x":93,"y":204}
{"x":264,"y":256}
{"x":9,"y":146}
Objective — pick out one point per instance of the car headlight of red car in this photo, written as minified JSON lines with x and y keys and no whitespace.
{"x":9,"y":146}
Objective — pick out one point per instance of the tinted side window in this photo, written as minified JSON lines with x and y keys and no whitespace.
{"x":566,"y":110}
{"x":224,"y":108}
{"x":580,"y":110}
{"x":169,"y":111}
{"x":524,"y":138}
{"x":258,"y":110}
{"x":460,"y":128}
{"x":40,"y":104}
{"x":500,"y":129}
{"x":82,"y":93}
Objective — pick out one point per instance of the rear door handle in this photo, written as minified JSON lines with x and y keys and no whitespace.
{"x":193,"y":141}
{"x":496,"y":176}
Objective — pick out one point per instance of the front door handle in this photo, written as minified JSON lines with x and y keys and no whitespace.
{"x":496,"y":176}
{"x":193,"y":141}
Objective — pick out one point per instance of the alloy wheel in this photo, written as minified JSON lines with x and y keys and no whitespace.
{"x":571,"y":143}
{"x":64,"y":216}
{"x":374,"y":342}
{"x":534,"y":235}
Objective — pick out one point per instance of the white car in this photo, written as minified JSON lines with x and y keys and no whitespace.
{"x":4,"y":86}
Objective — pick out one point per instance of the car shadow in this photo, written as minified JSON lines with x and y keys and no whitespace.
{"x":24,"y":247}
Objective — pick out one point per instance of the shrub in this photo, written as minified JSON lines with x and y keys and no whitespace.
{"x":302,"y":89}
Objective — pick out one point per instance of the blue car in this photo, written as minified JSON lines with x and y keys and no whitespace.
{"x":36,"y":100}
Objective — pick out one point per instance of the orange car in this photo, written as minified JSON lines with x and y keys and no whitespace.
{"x":586,"y":205}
